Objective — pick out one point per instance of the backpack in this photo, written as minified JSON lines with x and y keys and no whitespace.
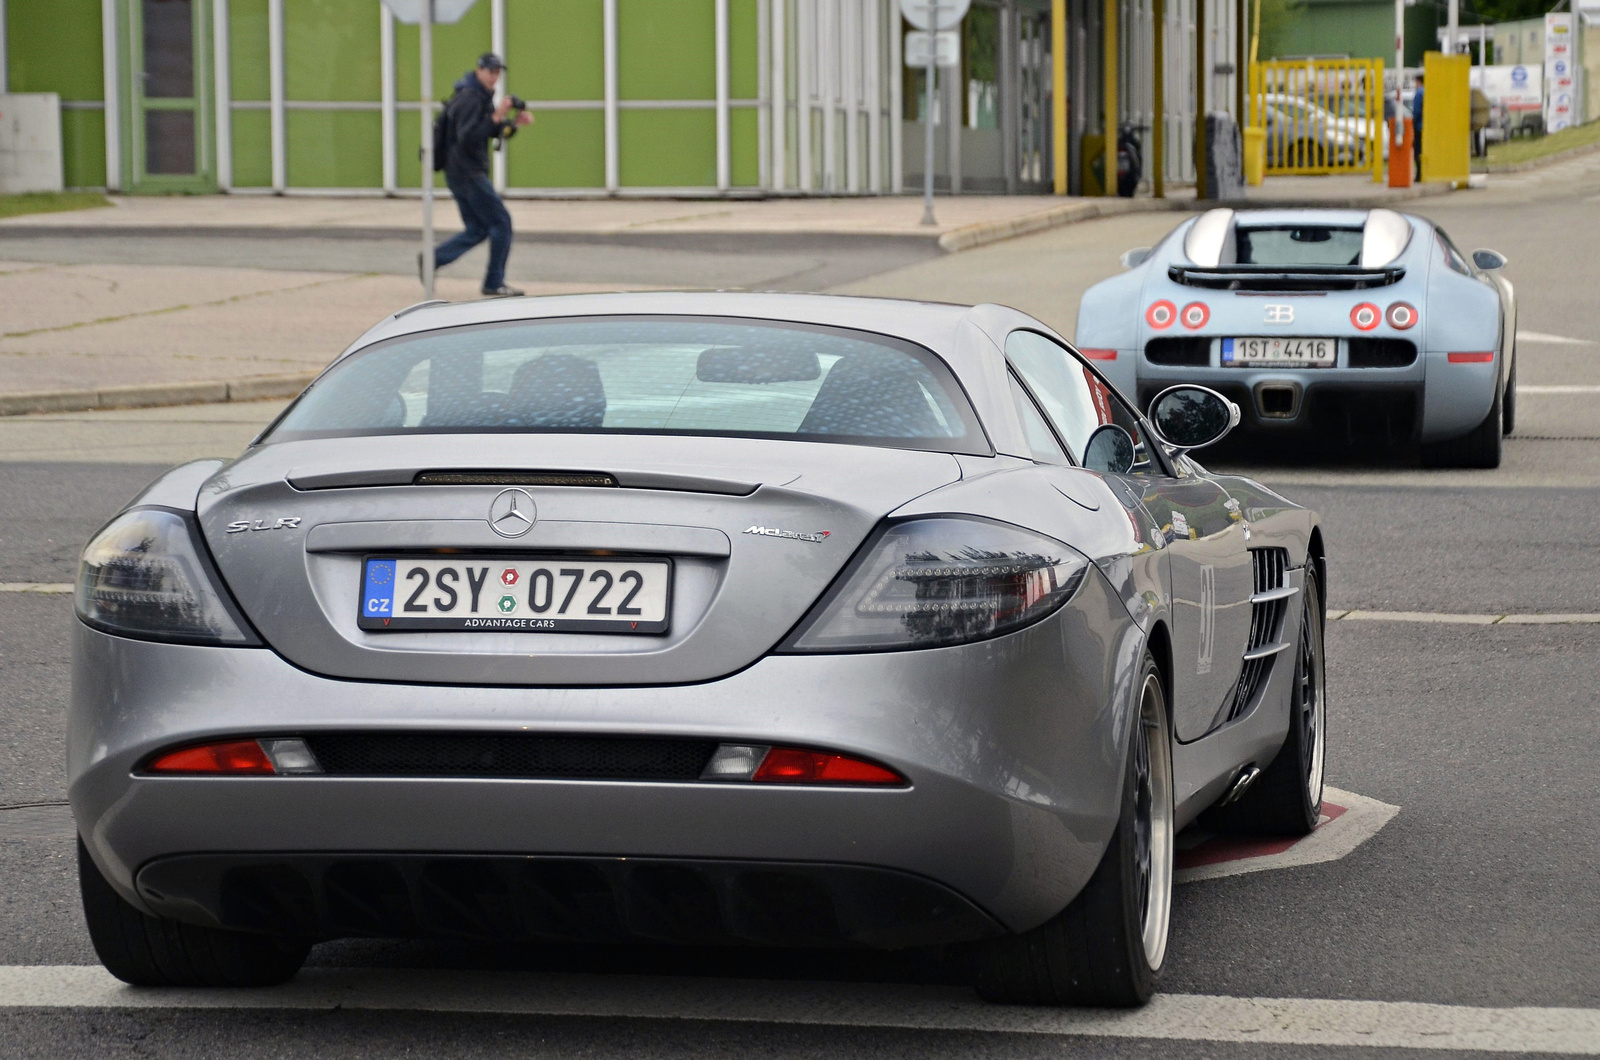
{"x":441,"y":138}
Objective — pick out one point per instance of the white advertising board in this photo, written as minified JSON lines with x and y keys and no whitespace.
{"x":1516,"y":88}
{"x":1561,"y":95}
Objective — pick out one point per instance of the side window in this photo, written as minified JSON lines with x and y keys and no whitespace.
{"x":1452,"y":256}
{"x":1041,"y":442}
{"x":1075,"y":401}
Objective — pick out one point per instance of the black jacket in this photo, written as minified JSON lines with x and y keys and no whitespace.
{"x":470,"y":125}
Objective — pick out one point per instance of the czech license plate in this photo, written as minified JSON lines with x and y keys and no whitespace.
{"x":547,"y":594}
{"x":1296,"y":353}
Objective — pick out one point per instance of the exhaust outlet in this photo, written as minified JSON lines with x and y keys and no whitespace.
{"x":1277,"y":401}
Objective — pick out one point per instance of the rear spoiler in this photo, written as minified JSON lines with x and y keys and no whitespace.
{"x":1278,"y":278}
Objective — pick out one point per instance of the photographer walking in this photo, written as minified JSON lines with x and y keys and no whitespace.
{"x":470,"y":120}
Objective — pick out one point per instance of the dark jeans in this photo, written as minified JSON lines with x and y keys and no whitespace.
{"x":486,"y":218}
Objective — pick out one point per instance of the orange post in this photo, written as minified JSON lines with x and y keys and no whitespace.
{"x":1400,"y":153}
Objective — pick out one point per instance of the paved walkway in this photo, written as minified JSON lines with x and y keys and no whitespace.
{"x":895,"y":215}
{"x":124,"y":335}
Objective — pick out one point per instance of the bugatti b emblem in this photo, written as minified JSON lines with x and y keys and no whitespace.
{"x":1280,"y":314}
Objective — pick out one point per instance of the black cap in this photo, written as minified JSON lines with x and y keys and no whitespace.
{"x":490,"y":61}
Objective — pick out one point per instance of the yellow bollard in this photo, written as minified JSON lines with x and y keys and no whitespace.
{"x":1255,"y":155}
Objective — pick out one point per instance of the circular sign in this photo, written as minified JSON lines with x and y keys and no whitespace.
{"x":1401,"y":315}
{"x":1519,"y":74}
{"x":1195,"y":315}
{"x":920,"y":12}
{"x":1161,"y":315}
{"x":1365,"y":316}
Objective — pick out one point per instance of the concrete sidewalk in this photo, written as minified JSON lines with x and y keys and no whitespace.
{"x":963,"y":221}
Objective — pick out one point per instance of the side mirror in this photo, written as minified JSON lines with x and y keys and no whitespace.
{"x":1136,"y":256}
{"x":1488,"y":260}
{"x":1110,"y":449}
{"x":1192,"y":417}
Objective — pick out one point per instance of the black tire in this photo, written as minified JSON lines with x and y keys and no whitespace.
{"x":1286,"y":799}
{"x":1107,"y":948}
{"x":154,"y":951}
{"x":1508,"y":404}
{"x":1479,"y":447}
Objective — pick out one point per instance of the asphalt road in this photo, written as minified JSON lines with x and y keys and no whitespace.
{"x":1480,"y":892}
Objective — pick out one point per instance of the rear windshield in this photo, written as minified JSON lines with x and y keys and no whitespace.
{"x":653,"y":375}
{"x":1299,"y":245}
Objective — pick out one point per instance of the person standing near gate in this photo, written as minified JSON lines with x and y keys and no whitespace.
{"x":1416,"y":126}
{"x":471,"y":119}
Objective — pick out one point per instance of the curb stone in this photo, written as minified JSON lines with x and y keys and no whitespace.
{"x":149,"y":395}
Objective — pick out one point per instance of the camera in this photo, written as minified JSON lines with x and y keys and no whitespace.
{"x":508,"y":128}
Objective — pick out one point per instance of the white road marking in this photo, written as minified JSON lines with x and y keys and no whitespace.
{"x":1173,"y":1017}
{"x":1442,"y":617}
{"x":36,"y":587}
{"x":1561,"y":388}
{"x":1332,"y":840}
{"x":1540,"y":336}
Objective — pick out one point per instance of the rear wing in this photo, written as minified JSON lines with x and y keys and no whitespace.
{"x":1280,"y":278}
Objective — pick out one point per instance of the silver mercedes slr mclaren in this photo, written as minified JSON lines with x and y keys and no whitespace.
{"x":693,"y":618}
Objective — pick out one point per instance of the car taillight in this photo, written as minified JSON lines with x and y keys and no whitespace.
{"x":1366,"y":316}
{"x":1472,"y":358}
{"x":794,"y":765}
{"x":940,"y":580}
{"x":234,"y":757}
{"x":1401,"y":315}
{"x":1099,"y":355}
{"x":1195,"y":315}
{"x":1161,"y":314}
{"x":265,"y":757}
{"x":148,"y":575}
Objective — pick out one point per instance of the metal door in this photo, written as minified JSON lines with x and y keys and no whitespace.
{"x":1211,"y":587}
{"x":170,"y":94}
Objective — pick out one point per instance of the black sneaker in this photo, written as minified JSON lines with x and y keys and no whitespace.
{"x":501,"y":292}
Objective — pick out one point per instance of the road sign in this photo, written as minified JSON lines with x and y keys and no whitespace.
{"x":921,"y":13}
{"x":444,"y":11}
{"x":919,"y":50}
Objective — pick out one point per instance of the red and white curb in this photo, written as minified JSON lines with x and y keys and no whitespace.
{"x":1348,"y":820}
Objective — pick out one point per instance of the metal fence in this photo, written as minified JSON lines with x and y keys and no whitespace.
{"x":1320,"y":115}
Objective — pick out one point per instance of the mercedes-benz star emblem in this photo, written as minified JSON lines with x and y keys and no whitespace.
{"x":512,"y":514}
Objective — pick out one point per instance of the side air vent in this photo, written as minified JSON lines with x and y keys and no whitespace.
{"x":1189,"y":352}
{"x":514,"y":478}
{"x":1382,"y":353}
{"x":1268,"y":605}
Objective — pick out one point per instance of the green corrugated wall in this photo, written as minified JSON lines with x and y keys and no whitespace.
{"x":666,"y":51}
{"x":54,"y":46}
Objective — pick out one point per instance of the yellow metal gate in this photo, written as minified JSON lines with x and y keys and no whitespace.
{"x":1320,"y":115}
